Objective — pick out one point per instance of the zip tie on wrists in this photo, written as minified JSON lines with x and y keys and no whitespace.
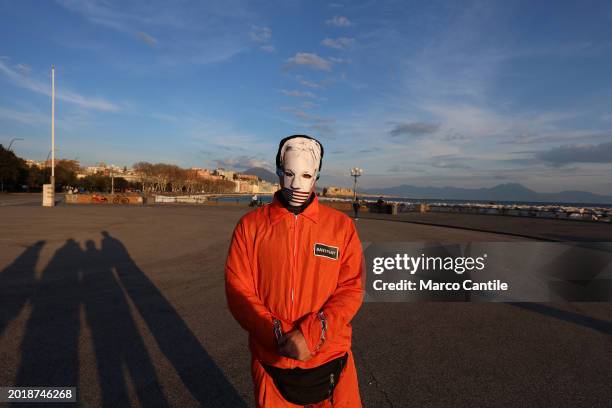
{"x":278,"y":331}
{"x":323,"y":320}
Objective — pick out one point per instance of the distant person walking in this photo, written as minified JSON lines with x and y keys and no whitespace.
{"x":254,"y":201}
{"x":356,"y":207}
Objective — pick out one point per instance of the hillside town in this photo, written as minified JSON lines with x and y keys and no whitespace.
{"x":170,"y":178}
{"x":27,"y":175}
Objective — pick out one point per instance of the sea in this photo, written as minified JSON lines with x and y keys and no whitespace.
{"x":266,"y":198}
{"x":506,"y":203}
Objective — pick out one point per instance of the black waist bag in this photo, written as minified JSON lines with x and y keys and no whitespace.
{"x":307,"y":386}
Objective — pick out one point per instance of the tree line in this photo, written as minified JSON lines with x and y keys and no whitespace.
{"x":16,"y":175}
{"x":162,"y":177}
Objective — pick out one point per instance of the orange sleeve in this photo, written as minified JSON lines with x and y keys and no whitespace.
{"x":346,"y":300}
{"x":242,"y":299}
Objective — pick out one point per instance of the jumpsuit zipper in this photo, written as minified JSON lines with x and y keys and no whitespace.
{"x":295,"y":238}
{"x":294,"y":271}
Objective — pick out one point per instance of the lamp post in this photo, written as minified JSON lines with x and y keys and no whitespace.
{"x":12,"y":140}
{"x":49,"y":189}
{"x":49,"y":155}
{"x":355,"y":172}
{"x":53,"y":127}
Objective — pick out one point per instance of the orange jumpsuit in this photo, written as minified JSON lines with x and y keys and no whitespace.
{"x":287,"y":267}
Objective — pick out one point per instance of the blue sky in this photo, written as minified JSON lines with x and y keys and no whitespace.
{"x":466,"y":94}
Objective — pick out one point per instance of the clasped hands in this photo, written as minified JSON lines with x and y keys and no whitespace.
{"x":293,"y":345}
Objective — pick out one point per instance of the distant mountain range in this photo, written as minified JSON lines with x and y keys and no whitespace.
{"x":501,"y":192}
{"x":262,"y":173}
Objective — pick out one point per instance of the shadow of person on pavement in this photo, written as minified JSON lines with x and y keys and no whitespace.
{"x":17,"y":283}
{"x":102,"y":283}
{"x":49,"y":348}
{"x":118,"y":346}
{"x":202,"y":377}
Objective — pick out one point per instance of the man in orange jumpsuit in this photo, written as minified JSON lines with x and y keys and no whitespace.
{"x":294,"y":281}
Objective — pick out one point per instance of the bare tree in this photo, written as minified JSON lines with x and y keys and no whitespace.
{"x":159,"y":177}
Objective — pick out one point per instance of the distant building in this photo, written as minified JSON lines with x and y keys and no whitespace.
{"x":267,"y":187}
{"x":93,"y":170}
{"x":245,"y":187}
{"x":206,"y":174}
{"x":130,"y":177}
{"x":245,"y":183}
{"x":337,"y":191}
{"x":246,"y":177}
{"x":225,"y":174}
{"x":34,"y":163}
{"x":255,"y":186}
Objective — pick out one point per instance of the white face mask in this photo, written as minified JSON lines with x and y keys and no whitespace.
{"x":299,"y":175}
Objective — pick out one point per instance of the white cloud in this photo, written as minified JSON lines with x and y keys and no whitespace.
{"x":298,"y":94}
{"x":314,"y":122}
{"x":197,"y":32}
{"x":309,"y":60}
{"x":324,"y":130}
{"x":577,"y":153}
{"x":308,"y":122}
{"x":221,"y":139}
{"x":25,"y":69}
{"x":449,"y":161}
{"x":339,"y":21}
{"x":243,"y":162}
{"x":338,"y":43}
{"x":339,"y":60}
{"x":556,"y":136}
{"x":470,"y":119}
{"x":308,"y":105}
{"x":29,"y":118}
{"x":296,"y":112}
{"x":309,"y":84}
{"x":26,"y":82}
{"x":261,"y":34}
{"x":148,"y":39}
{"x":414,"y":129}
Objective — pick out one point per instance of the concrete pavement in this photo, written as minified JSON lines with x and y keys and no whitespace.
{"x":127,"y":303}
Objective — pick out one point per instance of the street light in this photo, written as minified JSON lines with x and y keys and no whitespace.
{"x":53,"y":128}
{"x":355,"y":172}
{"x":49,"y":189}
{"x":48,"y":155}
{"x":12,"y":140}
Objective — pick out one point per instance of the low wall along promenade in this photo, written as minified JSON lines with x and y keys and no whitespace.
{"x":125,"y":199}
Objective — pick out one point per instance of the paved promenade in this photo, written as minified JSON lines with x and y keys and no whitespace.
{"x":128,"y":304}
{"x":521,"y":227}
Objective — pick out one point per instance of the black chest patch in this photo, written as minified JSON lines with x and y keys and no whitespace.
{"x":326,"y":251}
